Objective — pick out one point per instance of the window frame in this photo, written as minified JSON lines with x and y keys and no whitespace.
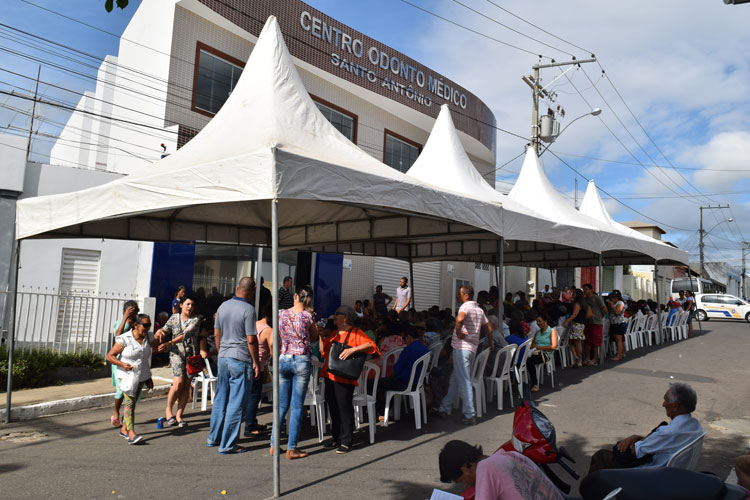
{"x":218,"y":54}
{"x":341,"y":110}
{"x":387,"y":132}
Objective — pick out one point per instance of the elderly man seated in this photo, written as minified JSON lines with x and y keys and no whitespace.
{"x":414,"y":350}
{"x":656,"y":449}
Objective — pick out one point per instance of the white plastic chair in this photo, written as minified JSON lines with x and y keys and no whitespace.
{"x":683,"y":326}
{"x":563,"y":346}
{"x":206,"y":381}
{"x":631,"y":334}
{"x":364,"y":398}
{"x":393,"y":353}
{"x":414,"y":390}
{"x":435,"y":357}
{"x":670,"y":327}
{"x":519,"y":365}
{"x":550,"y":366}
{"x":687,"y":457}
{"x":501,"y":375}
{"x":315,"y":399}
{"x":477,"y":382}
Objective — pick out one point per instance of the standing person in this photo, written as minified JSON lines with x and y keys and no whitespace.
{"x":681,"y":298}
{"x":265,"y":344}
{"x":617,"y":322}
{"x":545,"y":340}
{"x":594,"y":321}
{"x":184,"y":330}
{"x":339,"y":391}
{"x":132,"y":352}
{"x":129,"y":313}
{"x":381,"y":301}
{"x":577,"y":323}
{"x":177,"y":300}
{"x":469,"y":324}
{"x":297,"y":329}
{"x":286,"y":298}
{"x":403,"y":296}
{"x":237,"y":342}
{"x":689,"y":306}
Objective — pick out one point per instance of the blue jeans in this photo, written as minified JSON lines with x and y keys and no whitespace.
{"x":460,"y":384}
{"x":253,"y":400}
{"x":294,"y":375}
{"x":232,"y":384}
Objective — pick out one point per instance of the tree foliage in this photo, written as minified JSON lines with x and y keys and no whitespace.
{"x":110,"y":4}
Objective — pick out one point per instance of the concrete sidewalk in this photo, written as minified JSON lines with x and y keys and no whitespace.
{"x":41,"y":401}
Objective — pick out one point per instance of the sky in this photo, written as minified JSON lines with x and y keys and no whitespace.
{"x":673,"y":135}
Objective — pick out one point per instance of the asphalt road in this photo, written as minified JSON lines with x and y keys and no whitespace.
{"x":79,"y":455}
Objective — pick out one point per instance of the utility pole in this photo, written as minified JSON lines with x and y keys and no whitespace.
{"x":745,"y":247}
{"x":537,"y":90}
{"x":702,"y":233}
{"x":33,"y":113}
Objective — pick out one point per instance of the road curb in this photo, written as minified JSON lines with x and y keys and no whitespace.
{"x":30,"y":412}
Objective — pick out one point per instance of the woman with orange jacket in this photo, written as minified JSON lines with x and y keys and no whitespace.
{"x":339,"y":391}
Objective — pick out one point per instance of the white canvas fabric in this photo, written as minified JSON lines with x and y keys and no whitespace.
{"x":444,"y":163}
{"x":268,"y":141}
{"x":593,"y":206}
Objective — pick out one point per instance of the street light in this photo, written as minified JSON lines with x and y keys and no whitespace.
{"x":593,"y":112}
{"x":702,"y":233}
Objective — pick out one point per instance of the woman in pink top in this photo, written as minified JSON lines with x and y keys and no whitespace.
{"x":265,"y":343}
{"x":297,"y":329}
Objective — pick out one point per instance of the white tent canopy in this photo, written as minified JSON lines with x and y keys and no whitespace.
{"x":616,"y":247}
{"x":269,"y":141}
{"x":593,"y":206}
{"x":444,"y":163}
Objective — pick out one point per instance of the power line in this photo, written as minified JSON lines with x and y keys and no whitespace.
{"x":619,"y":201}
{"x":511,"y":29}
{"x":540,"y":29}
{"x":622,"y":162}
{"x":467,"y":29}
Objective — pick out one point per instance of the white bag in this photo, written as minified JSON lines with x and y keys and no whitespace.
{"x":130,"y":381}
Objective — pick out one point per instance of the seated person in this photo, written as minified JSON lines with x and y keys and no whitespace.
{"x":656,"y":449}
{"x":414,"y":350}
{"x":498,"y":338}
{"x":504,"y":475}
{"x":430,"y":332}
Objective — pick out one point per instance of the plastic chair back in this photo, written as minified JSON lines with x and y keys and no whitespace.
{"x":687,"y":457}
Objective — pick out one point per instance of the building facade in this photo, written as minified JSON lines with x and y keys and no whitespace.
{"x":178,"y":61}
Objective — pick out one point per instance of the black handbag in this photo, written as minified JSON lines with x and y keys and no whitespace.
{"x":350,"y":368}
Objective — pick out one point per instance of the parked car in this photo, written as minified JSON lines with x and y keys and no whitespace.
{"x":720,"y":305}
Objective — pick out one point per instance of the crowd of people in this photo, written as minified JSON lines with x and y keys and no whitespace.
{"x":238,"y":343}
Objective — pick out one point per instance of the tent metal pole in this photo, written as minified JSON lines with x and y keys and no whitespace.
{"x":601,"y":274}
{"x":500,"y":282}
{"x":603,"y":347}
{"x":275,"y":325}
{"x":258,"y":268}
{"x":411,"y":277}
{"x":658,"y":301}
{"x":12,"y":331}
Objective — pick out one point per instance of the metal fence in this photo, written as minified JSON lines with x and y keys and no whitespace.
{"x":224,"y":284}
{"x":64,"y":321}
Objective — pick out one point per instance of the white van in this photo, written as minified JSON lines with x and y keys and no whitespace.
{"x":720,"y":305}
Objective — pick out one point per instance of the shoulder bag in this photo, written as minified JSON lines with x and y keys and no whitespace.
{"x":349,"y":368}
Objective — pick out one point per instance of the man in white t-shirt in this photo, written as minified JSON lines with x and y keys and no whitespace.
{"x":470,"y":321}
{"x":403,"y":296}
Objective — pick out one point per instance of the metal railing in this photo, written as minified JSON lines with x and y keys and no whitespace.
{"x":224,"y":284}
{"x":64,"y":321}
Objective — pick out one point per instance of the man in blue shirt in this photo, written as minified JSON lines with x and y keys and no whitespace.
{"x":414,"y":350}
{"x":237,"y":343}
{"x":657,"y":448}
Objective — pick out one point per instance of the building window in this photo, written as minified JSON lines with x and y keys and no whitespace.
{"x":345,"y":122}
{"x":216,"y":75}
{"x":399,"y":152}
